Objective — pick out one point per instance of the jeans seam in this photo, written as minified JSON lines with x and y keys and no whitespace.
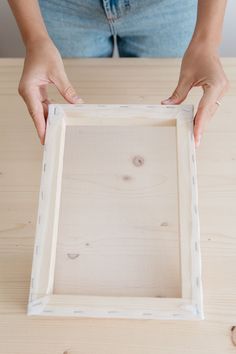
{"x":111,"y":17}
{"x":112,"y":26}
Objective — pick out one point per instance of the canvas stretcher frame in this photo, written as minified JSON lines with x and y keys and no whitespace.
{"x":42,"y":300}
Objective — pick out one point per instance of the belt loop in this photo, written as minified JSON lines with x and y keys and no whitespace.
{"x":127,"y":4}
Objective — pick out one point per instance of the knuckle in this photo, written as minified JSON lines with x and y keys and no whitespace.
{"x":218,"y":86}
{"x":21,"y":90}
{"x":33,"y":114}
{"x":181,"y":90}
{"x":69,"y":91}
{"x":176,"y":94}
{"x":222,"y":84}
{"x":225,"y":84}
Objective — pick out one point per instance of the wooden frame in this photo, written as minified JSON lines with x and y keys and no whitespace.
{"x":42,"y":299}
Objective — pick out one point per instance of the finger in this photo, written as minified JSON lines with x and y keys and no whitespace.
{"x":45,"y":101}
{"x":199,"y":125}
{"x":180,"y":93}
{"x":45,"y":104}
{"x":33,"y":102}
{"x":67,"y":90}
{"x":206,"y":109}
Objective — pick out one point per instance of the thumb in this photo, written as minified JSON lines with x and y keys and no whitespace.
{"x":67,"y":90}
{"x":179,"y":94}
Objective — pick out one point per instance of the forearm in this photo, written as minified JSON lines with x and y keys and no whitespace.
{"x":209,"y":21}
{"x":29,"y":19}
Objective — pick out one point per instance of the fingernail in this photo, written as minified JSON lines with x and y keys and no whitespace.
{"x":78,"y":99}
{"x":167,"y":101}
{"x":198,"y":141}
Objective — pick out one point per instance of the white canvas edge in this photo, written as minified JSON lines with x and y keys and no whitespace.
{"x":190,"y":311}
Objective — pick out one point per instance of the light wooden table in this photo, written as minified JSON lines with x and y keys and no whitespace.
{"x":116,"y":81}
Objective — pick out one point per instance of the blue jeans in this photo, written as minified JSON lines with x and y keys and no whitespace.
{"x":142,"y":28}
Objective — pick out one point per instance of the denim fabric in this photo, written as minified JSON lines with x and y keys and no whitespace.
{"x":142,"y":28}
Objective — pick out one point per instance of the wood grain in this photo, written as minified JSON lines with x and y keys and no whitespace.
{"x":119,"y":213}
{"x":116,"y":81}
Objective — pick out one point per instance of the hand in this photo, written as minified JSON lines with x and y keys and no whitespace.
{"x":43,"y":66}
{"x":201,"y":67}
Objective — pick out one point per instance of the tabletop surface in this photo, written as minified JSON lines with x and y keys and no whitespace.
{"x":116,"y":81}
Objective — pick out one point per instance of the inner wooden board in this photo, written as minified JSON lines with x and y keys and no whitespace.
{"x":118,"y":232}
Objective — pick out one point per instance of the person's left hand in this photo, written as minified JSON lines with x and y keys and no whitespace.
{"x":201,"y":67}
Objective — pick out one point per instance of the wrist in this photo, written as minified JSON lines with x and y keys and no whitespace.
{"x":37,"y":41}
{"x":33,"y":40}
{"x":206,"y":38}
{"x":204,"y":43}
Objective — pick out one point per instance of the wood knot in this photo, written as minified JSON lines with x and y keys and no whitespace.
{"x":233,"y":335}
{"x":72,"y":255}
{"x":138,"y":161}
{"x":127,"y":178}
{"x":164,"y":223}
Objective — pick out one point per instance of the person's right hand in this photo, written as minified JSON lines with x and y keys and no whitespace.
{"x":43,"y":66}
